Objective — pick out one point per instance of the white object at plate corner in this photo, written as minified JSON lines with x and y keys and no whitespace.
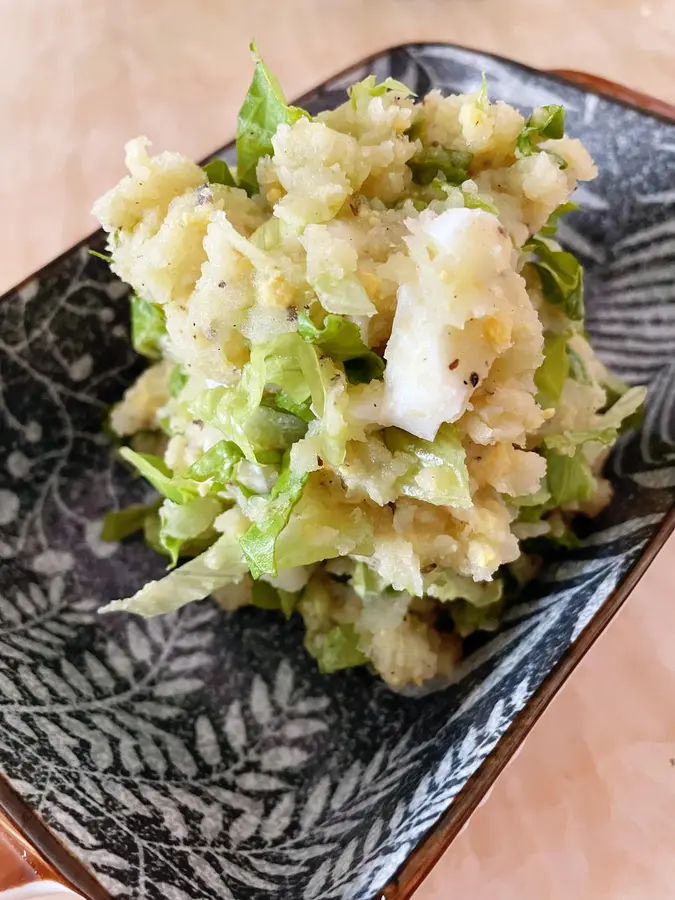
{"x":433,"y":328}
{"x":40,"y":890}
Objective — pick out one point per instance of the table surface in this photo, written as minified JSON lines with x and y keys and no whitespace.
{"x":587,"y":807}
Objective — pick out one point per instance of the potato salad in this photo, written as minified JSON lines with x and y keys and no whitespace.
{"x":371,"y":398}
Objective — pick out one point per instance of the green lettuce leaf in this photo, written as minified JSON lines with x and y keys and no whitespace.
{"x":282,"y":402}
{"x":345,"y":296}
{"x":154,"y":469}
{"x":218,"y":172}
{"x":268,"y":235}
{"x":438,"y":472}
{"x":216,"y":463}
{"x":614,"y":387}
{"x":539,"y":499}
{"x":341,"y":340}
{"x":552,"y":374}
{"x":468,"y":618}
{"x":286,"y":362}
{"x":334,"y":645}
{"x":627,"y":411}
{"x":474,"y":201}
{"x":122,"y":523}
{"x":569,"y":478}
{"x":473,"y":605}
{"x":266,"y":596}
{"x":561,"y":276}
{"x":335,"y":649}
{"x":544,"y":123}
{"x":623,"y":414}
{"x":264,"y":109}
{"x":368,"y":87}
{"x":452,"y":164}
{"x":447,"y":586}
{"x":104,"y":256}
{"x":148,"y":328}
{"x":372,"y":588}
{"x":177,"y":380}
{"x":551,"y":225}
{"x":222,"y":564}
{"x":259,"y":542}
{"x":272,"y":432}
{"x":577,"y":367}
{"x":187,"y":528}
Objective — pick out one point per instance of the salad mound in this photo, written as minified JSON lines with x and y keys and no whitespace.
{"x":371,"y":394}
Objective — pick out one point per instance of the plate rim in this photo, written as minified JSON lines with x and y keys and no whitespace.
{"x":431,"y":847}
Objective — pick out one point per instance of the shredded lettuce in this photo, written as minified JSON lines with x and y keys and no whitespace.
{"x":620,"y":415}
{"x":187,"y":528}
{"x":222,"y":564}
{"x":368,"y":583}
{"x":216,"y":463}
{"x":263,"y":110}
{"x":154,"y":469}
{"x":218,"y":172}
{"x":259,"y":542}
{"x":569,"y":478}
{"x":265,"y":596}
{"x":453,"y":165}
{"x":545,"y":122}
{"x":282,"y":402}
{"x":447,"y":585}
{"x":468,"y":618}
{"x":561,"y":276}
{"x":341,"y":340}
{"x":344,"y":296}
{"x":473,"y":200}
{"x":148,"y":328}
{"x":335,"y":649}
{"x":473,"y":605}
{"x":287,"y":362}
{"x":552,"y":374}
{"x":578,"y":370}
{"x":551,"y":225}
{"x":614,"y":387}
{"x":104,"y":256}
{"x":177,"y":380}
{"x":539,"y":499}
{"x":122,"y":523}
{"x":438,"y":472}
{"x":368,"y":87}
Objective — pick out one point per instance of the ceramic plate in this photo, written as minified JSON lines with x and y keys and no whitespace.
{"x":201,"y":756}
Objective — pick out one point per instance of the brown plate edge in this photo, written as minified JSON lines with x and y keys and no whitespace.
{"x":428,"y":852}
{"x":625,"y":95}
{"x":53,"y":855}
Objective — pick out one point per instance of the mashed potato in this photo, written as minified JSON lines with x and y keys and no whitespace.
{"x":373,"y":375}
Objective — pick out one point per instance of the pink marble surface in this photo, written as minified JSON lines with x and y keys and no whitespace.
{"x":587,"y":807}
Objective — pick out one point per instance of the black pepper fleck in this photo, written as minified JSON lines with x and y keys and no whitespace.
{"x":474,"y":379}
